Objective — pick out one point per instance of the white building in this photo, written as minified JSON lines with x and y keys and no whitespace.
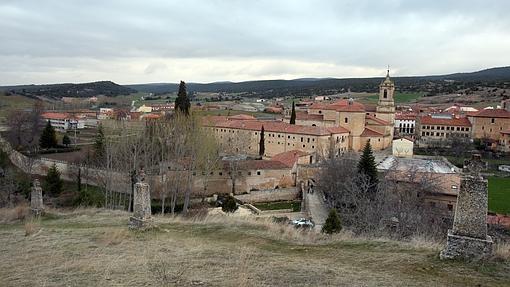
{"x":402,"y":147}
{"x":405,"y":124}
{"x":63,"y":121}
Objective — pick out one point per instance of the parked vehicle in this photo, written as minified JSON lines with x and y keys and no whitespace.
{"x":303,"y":223}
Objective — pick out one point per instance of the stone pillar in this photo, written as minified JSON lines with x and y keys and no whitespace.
{"x":142,"y":217}
{"x":36,"y":199}
{"x":468,"y":238}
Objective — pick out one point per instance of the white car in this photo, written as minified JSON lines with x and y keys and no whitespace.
{"x":303,"y":222}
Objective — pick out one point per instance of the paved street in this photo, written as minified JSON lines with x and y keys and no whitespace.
{"x":316,"y":209}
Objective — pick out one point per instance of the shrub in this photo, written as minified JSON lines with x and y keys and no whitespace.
{"x":332,"y":224}
{"x":229,"y":205}
{"x":89,"y":197}
{"x":52,"y":182}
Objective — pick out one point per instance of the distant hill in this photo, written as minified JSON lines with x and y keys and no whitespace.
{"x":106,"y":88}
{"x":308,"y":86}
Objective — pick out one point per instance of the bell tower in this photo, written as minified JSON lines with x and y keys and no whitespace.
{"x":386,"y":105}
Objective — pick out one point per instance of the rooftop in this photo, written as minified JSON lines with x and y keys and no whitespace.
{"x":340,"y":106}
{"x":493,"y":113}
{"x":443,"y":121}
{"x":429,"y":165}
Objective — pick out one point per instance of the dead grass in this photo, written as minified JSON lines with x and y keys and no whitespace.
{"x":95,"y":248}
{"x":17,"y":213}
{"x":32,"y":226}
{"x":502,"y":251}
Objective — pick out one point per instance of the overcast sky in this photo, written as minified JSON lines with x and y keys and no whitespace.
{"x":127,"y":41}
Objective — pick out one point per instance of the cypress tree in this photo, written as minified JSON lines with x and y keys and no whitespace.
{"x":52,"y":183}
{"x":66,"y":140}
{"x":182,"y":102}
{"x":367,"y":166}
{"x":48,"y":137}
{"x":293,"y":114}
{"x":99,"y":142}
{"x":262,"y":147}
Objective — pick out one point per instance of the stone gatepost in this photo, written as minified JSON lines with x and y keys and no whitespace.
{"x":36,"y":199}
{"x":142,"y":217}
{"x":468,"y":238}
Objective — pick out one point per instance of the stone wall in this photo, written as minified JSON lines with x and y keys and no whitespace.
{"x":269,"y":195}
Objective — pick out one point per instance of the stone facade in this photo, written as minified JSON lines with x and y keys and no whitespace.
{"x":142,"y":217}
{"x":468,"y":239}
{"x":36,"y":199}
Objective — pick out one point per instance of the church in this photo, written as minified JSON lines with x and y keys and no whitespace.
{"x":321,"y":129}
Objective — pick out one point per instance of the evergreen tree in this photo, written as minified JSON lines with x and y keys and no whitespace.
{"x":52,"y":183}
{"x":262,"y":147}
{"x":229,"y":205}
{"x":367,"y":166}
{"x":182,"y":102}
{"x":293,"y":114}
{"x":333,"y":223}
{"x":99,"y":143}
{"x":66,"y":140}
{"x":48,"y":137}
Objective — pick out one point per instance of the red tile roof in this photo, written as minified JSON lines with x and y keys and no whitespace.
{"x":306,"y":116}
{"x":377,"y":120}
{"x":289,"y":158}
{"x":493,"y":113}
{"x":340,"y":106}
{"x":275,"y":126}
{"x":405,"y":116}
{"x":370,"y":133}
{"x":429,"y":120}
{"x":56,"y":116}
{"x":507,"y":132}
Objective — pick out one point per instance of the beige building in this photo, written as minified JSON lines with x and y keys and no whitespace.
{"x":504,"y":141}
{"x":243,"y":136}
{"x":441,"y":129}
{"x":440,"y":175}
{"x":361,"y":124}
{"x":489,"y":123}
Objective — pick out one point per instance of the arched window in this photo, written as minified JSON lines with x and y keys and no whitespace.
{"x":385,"y":93}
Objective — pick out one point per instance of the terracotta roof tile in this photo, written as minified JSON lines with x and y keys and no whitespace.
{"x":306,"y":116}
{"x":275,"y":126}
{"x":377,"y":120}
{"x":340,"y":106}
{"x":56,"y":116}
{"x":367,"y":132}
{"x":289,"y":158}
{"x":428,"y":120}
{"x":493,"y":113}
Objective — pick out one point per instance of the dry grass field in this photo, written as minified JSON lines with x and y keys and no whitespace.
{"x":94,"y":248}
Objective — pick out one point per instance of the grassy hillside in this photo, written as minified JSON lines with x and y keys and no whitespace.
{"x":8,"y":103}
{"x":94,"y":248}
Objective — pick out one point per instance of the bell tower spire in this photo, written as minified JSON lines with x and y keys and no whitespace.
{"x":386,"y":104}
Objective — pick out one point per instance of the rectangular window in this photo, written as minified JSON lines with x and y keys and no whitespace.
{"x":346,"y":120}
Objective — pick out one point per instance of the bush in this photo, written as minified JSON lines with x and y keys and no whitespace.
{"x":52,"y":183}
{"x":229,"y":205}
{"x":89,"y":197}
{"x":332,"y":224}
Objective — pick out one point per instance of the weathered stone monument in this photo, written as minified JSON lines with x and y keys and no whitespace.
{"x":36,"y":199}
{"x":142,"y":218}
{"x":468,"y":239}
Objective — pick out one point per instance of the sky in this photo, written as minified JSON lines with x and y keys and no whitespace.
{"x":127,"y":41}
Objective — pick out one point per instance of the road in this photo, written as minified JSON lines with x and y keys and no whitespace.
{"x":317,"y":209}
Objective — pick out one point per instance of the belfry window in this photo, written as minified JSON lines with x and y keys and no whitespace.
{"x":385,"y":94}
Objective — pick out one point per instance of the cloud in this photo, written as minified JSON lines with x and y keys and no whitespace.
{"x":129,"y":41}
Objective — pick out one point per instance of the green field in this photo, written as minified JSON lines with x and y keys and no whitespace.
{"x":294,"y":205}
{"x":499,"y":194}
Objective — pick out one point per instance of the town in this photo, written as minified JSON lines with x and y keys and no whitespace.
{"x":242,"y":144}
